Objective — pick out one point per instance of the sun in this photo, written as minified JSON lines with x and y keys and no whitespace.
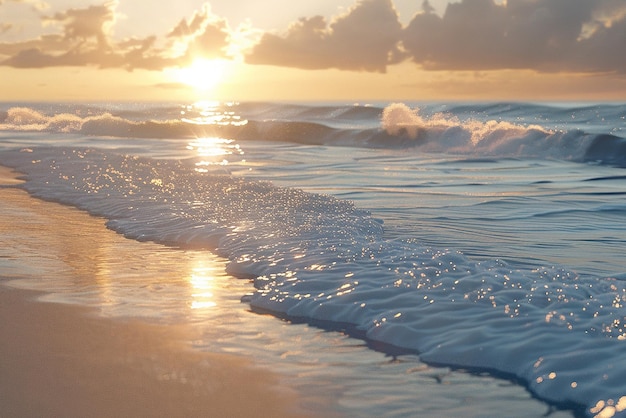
{"x":203,"y":74}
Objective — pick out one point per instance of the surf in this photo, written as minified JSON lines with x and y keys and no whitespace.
{"x":454,"y":131}
{"x":322,"y":260}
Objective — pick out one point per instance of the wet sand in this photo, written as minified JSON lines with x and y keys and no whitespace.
{"x":64,"y":360}
{"x":59,"y":361}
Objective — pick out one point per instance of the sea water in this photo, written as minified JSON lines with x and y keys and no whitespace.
{"x":479,"y":237}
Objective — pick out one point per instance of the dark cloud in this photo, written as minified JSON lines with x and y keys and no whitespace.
{"x":542,"y":35}
{"x":364,"y":39}
{"x":604,"y":50}
{"x":85,"y":40}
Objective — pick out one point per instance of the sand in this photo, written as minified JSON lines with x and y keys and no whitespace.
{"x":59,"y":360}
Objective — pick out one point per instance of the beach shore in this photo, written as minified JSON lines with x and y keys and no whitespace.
{"x":60,"y":360}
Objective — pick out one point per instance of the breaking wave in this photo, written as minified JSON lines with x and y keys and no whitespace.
{"x":469,"y":130}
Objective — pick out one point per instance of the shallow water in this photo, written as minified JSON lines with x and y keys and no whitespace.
{"x":535,"y":212}
{"x":493,"y":245}
{"x":121,"y":278}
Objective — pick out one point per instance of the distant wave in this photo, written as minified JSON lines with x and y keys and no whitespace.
{"x":394,"y":126}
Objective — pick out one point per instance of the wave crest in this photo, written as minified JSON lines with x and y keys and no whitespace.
{"x":398,"y":119}
{"x":395,"y":126}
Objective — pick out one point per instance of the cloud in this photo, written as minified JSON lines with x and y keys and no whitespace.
{"x":583,"y":36}
{"x":365,"y":38}
{"x":205,"y":35}
{"x":38,"y":5}
{"x":5,"y":27}
{"x":83,"y":25}
{"x":542,"y":35}
{"x":85,"y":39}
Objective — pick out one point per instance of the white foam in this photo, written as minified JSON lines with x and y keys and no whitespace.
{"x":445,"y":133}
{"x":318,"y":258}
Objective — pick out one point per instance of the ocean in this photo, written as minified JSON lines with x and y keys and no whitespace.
{"x":382,"y":248}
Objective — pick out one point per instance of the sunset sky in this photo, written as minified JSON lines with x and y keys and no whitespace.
{"x":313,"y":50}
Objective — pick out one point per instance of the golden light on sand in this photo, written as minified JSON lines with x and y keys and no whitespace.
{"x":203,"y":74}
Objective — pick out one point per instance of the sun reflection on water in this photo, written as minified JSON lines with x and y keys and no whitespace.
{"x":202,"y":280}
{"x":214,"y":149}
{"x":75,"y":259}
{"x":608,"y":408}
{"x":212,"y":113}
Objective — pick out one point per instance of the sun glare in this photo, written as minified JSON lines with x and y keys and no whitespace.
{"x":203,"y":74}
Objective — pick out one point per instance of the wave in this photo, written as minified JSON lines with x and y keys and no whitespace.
{"x":322,"y":260}
{"x":607,"y":149}
{"x":394,"y":126}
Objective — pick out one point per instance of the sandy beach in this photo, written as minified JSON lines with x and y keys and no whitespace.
{"x":59,"y":360}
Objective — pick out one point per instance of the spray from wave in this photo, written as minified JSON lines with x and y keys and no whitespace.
{"x":452,"y":133}
{"x":445,"y":133}
{"x":24,"y":119}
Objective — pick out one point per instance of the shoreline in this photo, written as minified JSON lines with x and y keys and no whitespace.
{"x":142,"y":368}
{"x":60,"y":359}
